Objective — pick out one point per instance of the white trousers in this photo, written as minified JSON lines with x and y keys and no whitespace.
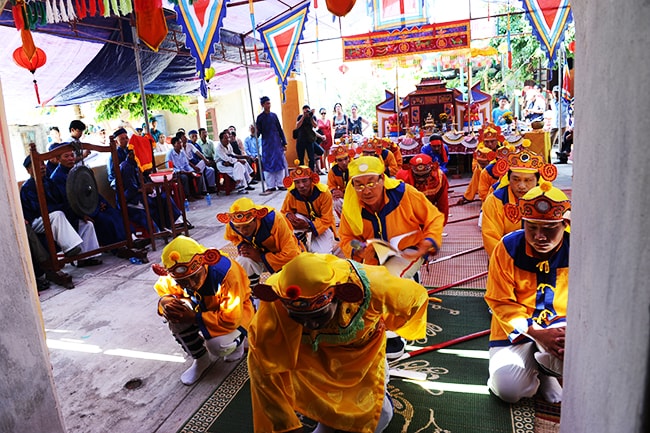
{"x":62,"y":231}
{"x":274,"y":178}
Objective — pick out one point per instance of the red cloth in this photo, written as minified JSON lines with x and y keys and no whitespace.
{"x":150,"y":22}
{"x":142,"y":148}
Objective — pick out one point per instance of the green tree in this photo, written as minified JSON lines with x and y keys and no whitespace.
{"x":112,"y":108}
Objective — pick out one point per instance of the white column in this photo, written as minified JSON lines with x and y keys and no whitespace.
{"x":608,"y":334}
{"x":28,"y":400}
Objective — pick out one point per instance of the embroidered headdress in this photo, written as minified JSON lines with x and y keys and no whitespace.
{"x":243,"y":211}
{"x":300,"y":172}
{"x":184,"y":256}
{"x":542,"y":203}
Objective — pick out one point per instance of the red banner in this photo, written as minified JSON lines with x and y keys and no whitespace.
{"x":436,"y":37}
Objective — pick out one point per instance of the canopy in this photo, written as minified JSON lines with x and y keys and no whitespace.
{"x":93,"y":58}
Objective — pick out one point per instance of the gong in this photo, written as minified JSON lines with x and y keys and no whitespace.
{"x":81,"y":189}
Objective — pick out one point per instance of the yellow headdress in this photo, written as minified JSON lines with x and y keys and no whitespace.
{"x":184,"y":256}
{"x":300,"y":172}
{"x":243,"y":211}
{"x":310,"y":282}
{"x":351,"y":202}
{"x":543,"y":203}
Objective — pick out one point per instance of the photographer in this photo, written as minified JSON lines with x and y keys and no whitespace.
{"x":305,"y":136}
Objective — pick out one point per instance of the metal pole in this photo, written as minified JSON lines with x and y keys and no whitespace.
{"x":143,"y":96}
{"x":257,"y":140}
{"x":560,"y":70}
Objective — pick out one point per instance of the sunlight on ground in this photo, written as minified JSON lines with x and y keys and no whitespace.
{"x":478,"y":354}
{"x":452,"y":387}
{"x":80,"y":346}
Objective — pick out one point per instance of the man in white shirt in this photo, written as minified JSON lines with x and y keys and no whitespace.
{"x":229,"y":164}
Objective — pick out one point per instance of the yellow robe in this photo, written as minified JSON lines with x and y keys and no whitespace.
{"x":334,"y":375}
{"x":274,"y":238}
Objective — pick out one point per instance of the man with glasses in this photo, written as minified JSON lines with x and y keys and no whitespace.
{"x":376,"y":206}
{"x":338,"y":176}
{"x":263,"y":237}
{"x":205,"y":299}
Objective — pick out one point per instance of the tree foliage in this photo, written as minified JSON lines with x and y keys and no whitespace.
{"x":112,"y":108}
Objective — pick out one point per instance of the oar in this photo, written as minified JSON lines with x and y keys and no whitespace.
{"x":473,"y":217}
{"x":457,"y":283}
{"x":452,"y":256}
{"x":444,"y":344}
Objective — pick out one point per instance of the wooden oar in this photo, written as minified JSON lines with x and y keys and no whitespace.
{"x":473,"y":217}
{"x":444,"y":344}
{"x":452,"y":256}
{"x":457,"y":283}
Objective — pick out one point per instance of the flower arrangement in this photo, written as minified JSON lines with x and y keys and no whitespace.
{"x":507,"y":117}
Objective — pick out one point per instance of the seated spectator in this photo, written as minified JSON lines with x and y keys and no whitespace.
{"x":230,"y":164}
{"x":177,"y":160}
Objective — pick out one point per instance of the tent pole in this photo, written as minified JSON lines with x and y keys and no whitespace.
{"x":143,"y":96}
{"x":257,"y":139}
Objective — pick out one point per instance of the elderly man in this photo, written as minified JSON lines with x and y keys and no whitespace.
{"x":263,"y":237}
{"x":428,"y":178}
{"x":232,"y":165}
{"x":376,"y":206}
{"x":338,"y":176}
{"x":523,"y":169}
{"x":122,"y":140}
{"x":527,"y":291}
{"x":205,"y":299}
{"x":196,"y":157}
{"x":309,"y":354}
{"x":177,"y":160}
{"x":308,"y":207}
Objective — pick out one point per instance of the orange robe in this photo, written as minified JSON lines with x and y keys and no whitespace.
{"x":495,"y":223}
{"x":225,"y":303}
{"x":405,"y":210}
{"x":274,"y":238}
{"x":318,"y":208}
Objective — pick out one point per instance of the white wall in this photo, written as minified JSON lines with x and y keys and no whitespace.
{"x":608,"y":332}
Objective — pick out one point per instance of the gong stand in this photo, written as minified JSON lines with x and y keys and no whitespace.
{"x":125,"y":247}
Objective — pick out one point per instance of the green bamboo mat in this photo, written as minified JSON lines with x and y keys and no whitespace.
{"x":453,"y":398}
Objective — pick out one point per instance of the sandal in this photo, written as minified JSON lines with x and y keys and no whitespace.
{"x":88,"y":262}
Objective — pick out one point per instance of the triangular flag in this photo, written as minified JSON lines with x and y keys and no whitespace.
{"x":201,"y":21}
{"x":280,"y":38}
{"x":549,"y":19}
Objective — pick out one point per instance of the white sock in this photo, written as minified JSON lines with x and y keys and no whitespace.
{"x":550,"y":388}
{"x":237,"y":354}
{"x":192,"y":374}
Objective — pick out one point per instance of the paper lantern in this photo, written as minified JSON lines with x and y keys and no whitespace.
{"x":38,"y":59}
{"x":209,"y":73}
{"x":343,"y":69}
{"x":340,"y":8}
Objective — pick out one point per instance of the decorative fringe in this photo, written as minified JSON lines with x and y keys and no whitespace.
{"x":92,"y":8}
{"x":113,"y":6}
{"x":71,"y":13}
{"x":126,"y":7}
{"x":49,"y":16}
{"x":38,"y":97}
{"x":19,"y":19}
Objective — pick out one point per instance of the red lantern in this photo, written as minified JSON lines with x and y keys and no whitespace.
{"x":343,"y":69}
{"x":38,"y":59}
{"x":340,"y":8}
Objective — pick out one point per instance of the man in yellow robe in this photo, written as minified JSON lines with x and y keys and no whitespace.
{"x":263,"y":237}
{"x":523,"y":169}
{"x":308,"y":208}
{"x":377,"y":207}
{"x":317,"y":344}
{"x":205,"y":298}
{"x":527,"y":292}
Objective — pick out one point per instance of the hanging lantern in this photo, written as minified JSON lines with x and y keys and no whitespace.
{"x":340,"y":8}
{"x":209,"y":73}
{"x":343,"y":69}
{"x":38,"y":59}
